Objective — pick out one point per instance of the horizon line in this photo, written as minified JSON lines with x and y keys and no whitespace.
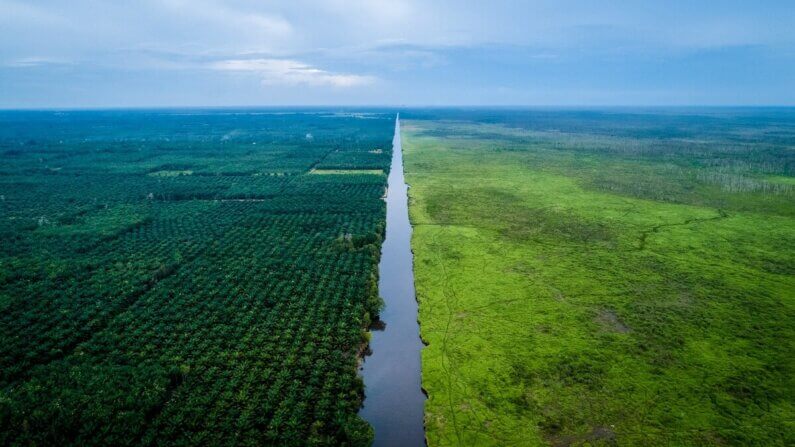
{"x":393,"y":106}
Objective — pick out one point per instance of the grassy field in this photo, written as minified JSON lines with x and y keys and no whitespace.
{"x":604,"y":280}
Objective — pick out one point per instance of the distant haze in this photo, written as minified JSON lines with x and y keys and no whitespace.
{"x":88,"y":53}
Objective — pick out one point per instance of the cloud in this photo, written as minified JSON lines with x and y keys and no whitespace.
{"x":226,"y":17}
{"x":220,"y":51}
{"x":28,"y":62}
{"x":13,"y":11}
{"x":292,"y":72}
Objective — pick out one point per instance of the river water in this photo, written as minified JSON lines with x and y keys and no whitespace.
{"x":394,"y":400}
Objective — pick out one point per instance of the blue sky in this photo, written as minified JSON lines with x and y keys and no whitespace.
{"x":96,"y":53}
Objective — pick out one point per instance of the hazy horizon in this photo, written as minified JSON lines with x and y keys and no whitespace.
{"x":380,"y":108}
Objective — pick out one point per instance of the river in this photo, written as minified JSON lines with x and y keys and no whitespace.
{"x":394,"y":400}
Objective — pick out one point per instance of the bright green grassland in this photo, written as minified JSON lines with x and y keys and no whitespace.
{"x":599,"y":286}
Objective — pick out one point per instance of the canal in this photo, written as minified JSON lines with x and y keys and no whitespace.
{"x":394,"y":400}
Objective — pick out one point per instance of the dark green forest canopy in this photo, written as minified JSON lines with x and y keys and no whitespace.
{"x":179,"y":277}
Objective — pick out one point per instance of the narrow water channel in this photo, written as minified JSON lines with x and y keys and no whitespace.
{"x":394,"y":401}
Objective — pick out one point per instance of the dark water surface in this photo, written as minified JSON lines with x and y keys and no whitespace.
{"x":393,"y":396}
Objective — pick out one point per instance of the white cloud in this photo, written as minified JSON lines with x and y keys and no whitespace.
{"x":292,"y":72}
{"x":27,"y":62}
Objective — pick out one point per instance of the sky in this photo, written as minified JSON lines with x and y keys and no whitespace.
{"x":171,"y":53}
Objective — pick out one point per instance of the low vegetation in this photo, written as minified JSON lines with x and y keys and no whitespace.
{"x":598,"y":278}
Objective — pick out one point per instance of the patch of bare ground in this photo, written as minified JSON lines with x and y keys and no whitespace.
{"x":609,"y":321}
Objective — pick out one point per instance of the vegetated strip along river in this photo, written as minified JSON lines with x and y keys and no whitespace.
{"x":394,"y":400}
